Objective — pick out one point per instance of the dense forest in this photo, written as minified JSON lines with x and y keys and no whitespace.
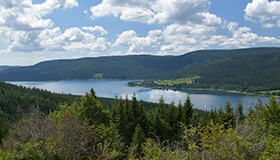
{"x":46,"y":125}
{"x":250,"y":70}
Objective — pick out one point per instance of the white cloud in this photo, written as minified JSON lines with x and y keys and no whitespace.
{"x":242,"y":36}
{"x":267,"y":13}
{"x":162,"y":11}
{"x":23,"y":15}
{"x":139,"y":44}
{"x":175,"y":38}
{"x":73,"y":39}
{"x":96,"y":28}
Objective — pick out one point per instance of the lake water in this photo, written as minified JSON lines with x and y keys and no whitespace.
{"x":202,"y":99}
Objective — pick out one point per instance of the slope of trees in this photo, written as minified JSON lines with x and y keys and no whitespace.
{"x":85,"y":130}
{"x":125,"y":67}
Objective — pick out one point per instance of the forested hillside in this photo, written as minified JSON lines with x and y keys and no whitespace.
{"x":85,"y":129}
{"x":246,"y":73}
{"x":124,"y":67}
{"x":2,"y":68}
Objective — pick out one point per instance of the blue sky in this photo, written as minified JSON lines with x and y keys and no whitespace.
{"x":32,"y":31}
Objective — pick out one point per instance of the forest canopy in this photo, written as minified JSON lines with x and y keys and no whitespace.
{"x":85,"y":128}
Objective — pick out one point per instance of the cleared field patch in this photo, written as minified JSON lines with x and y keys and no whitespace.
{"x":189,"y":80}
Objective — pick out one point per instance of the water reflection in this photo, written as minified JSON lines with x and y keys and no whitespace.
{"x":202,"y":99}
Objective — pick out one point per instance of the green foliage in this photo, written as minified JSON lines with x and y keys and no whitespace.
{"x":12,"y":96}
{"x":90,"y":109}
{"x":250,"y":70}
{"x":60,"y":135}
{"x":138,"y":139}
{"x":188,"y":111}
{"x":86,"y":130}
{"x":216,"y":142}
{"x":153,"y":150}
{"x":3,"y":126}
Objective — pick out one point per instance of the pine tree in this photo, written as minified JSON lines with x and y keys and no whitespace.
{"x":138,"y":139}
{"x":172,"y":121}
{"x":161,"y":108}
{"x":92,"y":110}
{"x":143,"y":119}
{"x":213,"y":115}
{"x":240,"y":117}
{"x":180,"y":112}
{"x":188,"y":111}
{"x":2,"y":126}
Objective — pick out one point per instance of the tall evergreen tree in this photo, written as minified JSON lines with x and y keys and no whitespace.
{"x":240,"y":117}
{"x":138,"y":140}
{"x":162,"y":108}
{"x":188,"y":111}
{"x":2,"y":126}
{"x":213,"y":115}
{"x":143,"y":119}
{"x":92,"y":110}
{"x":173,"y":122}
{"x":180,"y":112}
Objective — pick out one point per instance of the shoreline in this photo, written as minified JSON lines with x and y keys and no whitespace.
{"x":207,"y":89}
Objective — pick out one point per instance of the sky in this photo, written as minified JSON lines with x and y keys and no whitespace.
{"x":32,"y":31}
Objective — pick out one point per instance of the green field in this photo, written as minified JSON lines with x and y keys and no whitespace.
{"x":177,"y":81}
{"x":270,"y":92}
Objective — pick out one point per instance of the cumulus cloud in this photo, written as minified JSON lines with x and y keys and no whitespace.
{"x":24,"y":29}
{"x":96,"y":28}
{"x":162,"y":11}
{"x":242,"y":36}
{"x":24,"y":15}
{"x":139,"y":44}
{"x":175,"y":38}
{"x":73,"y":39}
{"x":265,"y":12}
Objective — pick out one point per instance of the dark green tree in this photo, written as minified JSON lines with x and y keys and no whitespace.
{"x":161,"y":108}
{"x":173,"y":122}
{"x":180,"y":112}
{"x":213,"y":115}
{"x":138,"y":139}
{"x":188,"y":111}
{"x":92,"y":110}
{"x":240,"y":117}
{"x":3,"y":127}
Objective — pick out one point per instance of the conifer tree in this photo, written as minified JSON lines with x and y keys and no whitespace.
{"x":240,"y":117}
{"x":161,"y":108}
{"x":138,"y":139}
{"x":2,"y":126}
{"x":159,"y":131}
{"x":172,"y":121}
{"x":92,"y":110}
{"x":188,"y":111}
{"x":180,"y":112}
{"x":229,"y":117}
{"x":143,"y":119}
{"x":213,"y":115}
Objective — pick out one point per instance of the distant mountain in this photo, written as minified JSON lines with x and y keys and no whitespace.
{"x":2,"y":68}
{"x":216,"y":67}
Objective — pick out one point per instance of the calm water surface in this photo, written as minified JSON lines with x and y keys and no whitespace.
{"x":202,"y":99}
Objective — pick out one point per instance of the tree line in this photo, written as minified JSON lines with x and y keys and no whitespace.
{"x":84,"y":129}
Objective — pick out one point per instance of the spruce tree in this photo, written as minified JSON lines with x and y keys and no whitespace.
{"x":161,"y":108}
{"x":2,"y":126}
{"x":180,"y":112}
{"x":188,"y":111}
{"x":92,"y":110}
{"x":213,"y":115}
{"x":138,"y":140}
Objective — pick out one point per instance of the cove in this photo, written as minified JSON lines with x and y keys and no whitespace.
{"x":202,"y":99}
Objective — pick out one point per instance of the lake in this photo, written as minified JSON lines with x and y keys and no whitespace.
{"x":202,"y":99}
